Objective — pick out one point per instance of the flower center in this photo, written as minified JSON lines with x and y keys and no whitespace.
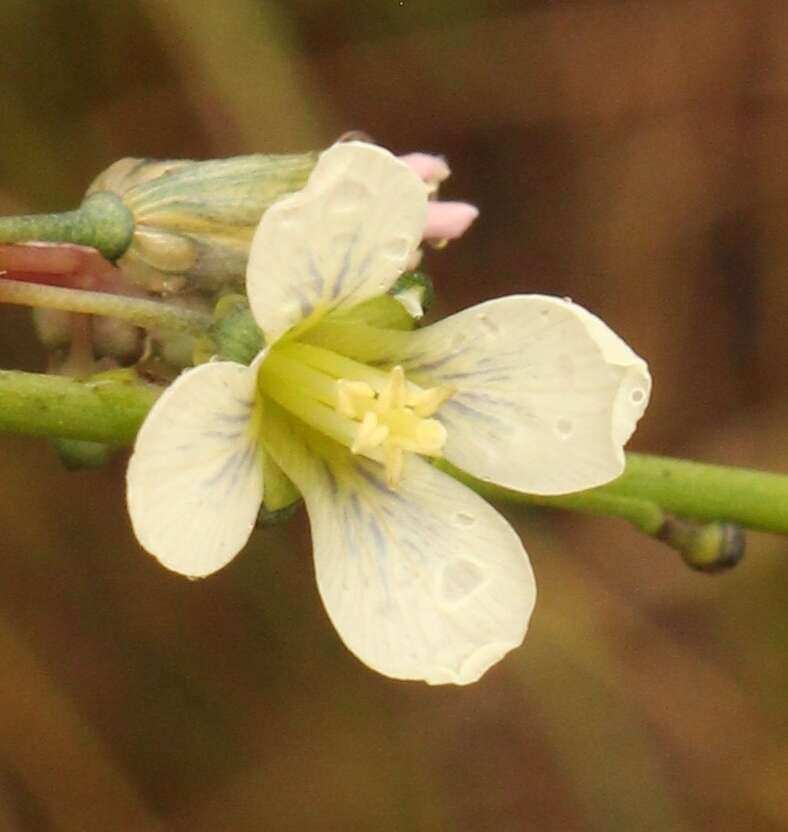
{"x":394,"y":419}
{"x":379,"y":414}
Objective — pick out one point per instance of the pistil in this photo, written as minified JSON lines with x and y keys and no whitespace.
{"x":375,"y":413}
{"x":389,"y":420}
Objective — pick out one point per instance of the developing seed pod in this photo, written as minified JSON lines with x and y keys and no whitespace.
{"x":194,"y":221}
{"x":176,"y":230}
{"x":180,"y":226}
{"x":172,"y":226}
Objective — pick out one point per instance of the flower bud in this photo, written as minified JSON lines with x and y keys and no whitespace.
{"x":234,"y":335}
{"x":183,"y":227}
{"x":194,"y":221}
{"x":180,"y":230}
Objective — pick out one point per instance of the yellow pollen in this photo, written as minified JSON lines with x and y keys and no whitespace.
{"x":350,"y":394}
{"x":394,"y":419}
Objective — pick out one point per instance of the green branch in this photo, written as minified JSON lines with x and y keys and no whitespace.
{"x":111,"y":407}
{"x":149,"y":314}
{"x":652,"y":485}
{"x":107,"y":408}
{"x":102,"y":222}
{"x":755,"y":499}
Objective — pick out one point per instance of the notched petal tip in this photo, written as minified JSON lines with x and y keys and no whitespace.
{"x":631,"y":402}
{"x":634,"y":389}
{"x":474,"y":666}
{"x":545,"y":394}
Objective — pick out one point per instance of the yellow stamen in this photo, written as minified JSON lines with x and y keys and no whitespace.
{"x":370,"y":434}
{"x":392,"y":462}
{"x":428,"y":401}
{"x":393,"y":419}
{"x":393,"y":395}
{"x":349,"y":393}
{"x":431,"y":435}
{"x":380,"y":414}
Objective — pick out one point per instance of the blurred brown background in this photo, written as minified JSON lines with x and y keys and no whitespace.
{"x":631,"y":155}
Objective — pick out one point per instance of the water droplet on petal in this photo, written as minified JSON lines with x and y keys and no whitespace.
{"x":343,"y":240}
{"x":458,"y":341}
{"x":564,"y":364}
{"x":465,"y":519}
{"x":349,"y":198}
{"x":289,"y":218}
{"x":564,"y":427}
{"x":490,"y":326}
{"x":459,"y":579}
{"x":398,"y":249}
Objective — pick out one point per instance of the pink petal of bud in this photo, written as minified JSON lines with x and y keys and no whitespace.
{"x":61,"y":264}
{"x":432,"y":170}
{"x":448,"y":220}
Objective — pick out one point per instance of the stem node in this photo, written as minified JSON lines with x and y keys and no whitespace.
{"x":102,"y":222}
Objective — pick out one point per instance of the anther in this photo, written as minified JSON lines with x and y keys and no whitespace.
{"x":393,"y":394}
{"x":370,"y":434}
{"x":394,"y":419}
{"x":428,"y":401}
{"x":393,"y":455}
{"x":348,"y":395}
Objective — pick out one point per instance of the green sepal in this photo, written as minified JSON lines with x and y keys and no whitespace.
{"x":194,"y":221}
{"x":388,"y":311}
{"x":266,"y":518}
{"x":279,"y":492}
{"x":383,"y":312}
{"x":418,"y":283}
{"x":234,"y":335}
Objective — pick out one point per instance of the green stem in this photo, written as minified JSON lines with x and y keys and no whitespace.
{"x":755,"y":499}
{"x":107,"y":408}
{"x":102,"y":222}
{"x":653,"y":485}
{"x":149,"y":314}
{"x":111,"y":408}
{"x":643,"y":514}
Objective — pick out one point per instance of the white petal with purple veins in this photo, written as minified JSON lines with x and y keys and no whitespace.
{"x":427,"y":581}
{"x":344,"y":238}
{"x":195,"y":479}
{"x":545,"y":394}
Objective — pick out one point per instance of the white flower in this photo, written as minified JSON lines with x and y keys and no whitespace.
{"x":421,"y":577}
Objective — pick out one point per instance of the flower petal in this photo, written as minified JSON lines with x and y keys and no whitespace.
{"x":424,"y":582}
{"x":432,"y":170}
{"x":195,"y":478}
{"x":448,"y":220}
{"x":545,"y":396}
{"x":344,"y":238}
{"x":634,"y":392}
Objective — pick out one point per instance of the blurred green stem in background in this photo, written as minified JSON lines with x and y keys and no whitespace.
{"x":149,"y":314}
{"x":110,"y":407}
